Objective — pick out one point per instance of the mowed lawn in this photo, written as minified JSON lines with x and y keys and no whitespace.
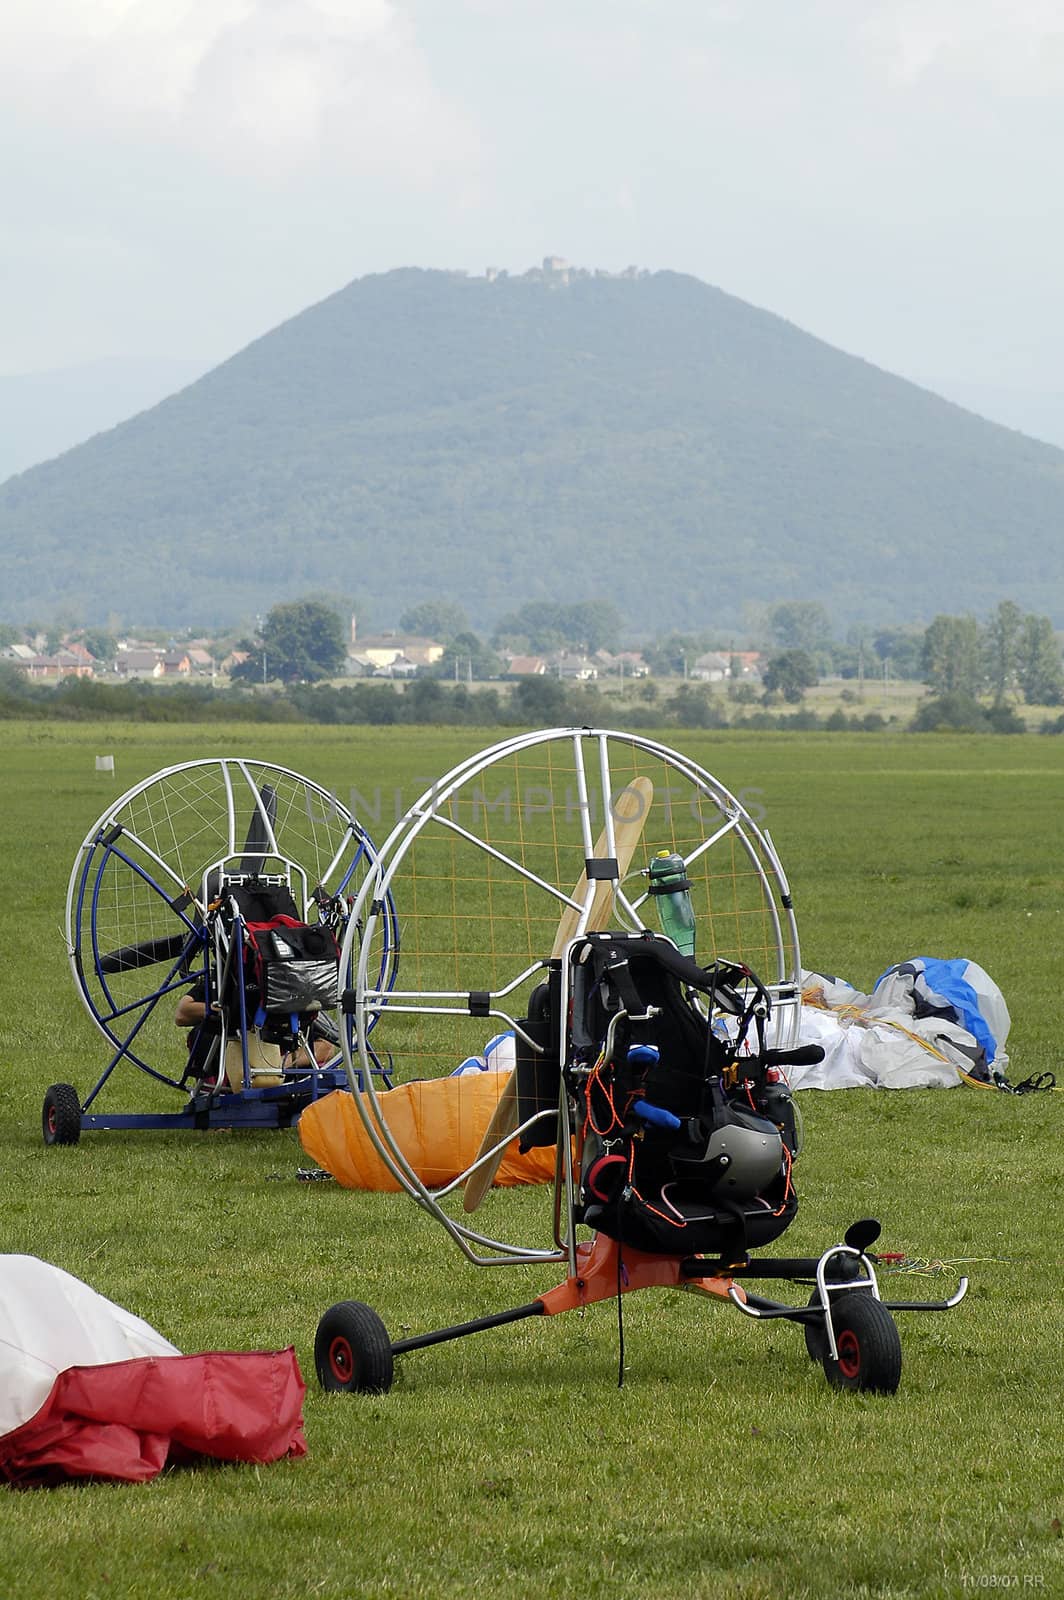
{"x":510,"y":1463}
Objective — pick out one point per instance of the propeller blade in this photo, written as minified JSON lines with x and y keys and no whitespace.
{"x":257,"y":843}
{"x":145,"y":954}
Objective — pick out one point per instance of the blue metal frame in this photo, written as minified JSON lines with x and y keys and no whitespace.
{"x":149,"y":1001}
{"x":274,"y":1106}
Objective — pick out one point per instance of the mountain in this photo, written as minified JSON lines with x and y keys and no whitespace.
{"x":1037,"y":412}
{"x":558,"y":435}
{"x":45,"y":413}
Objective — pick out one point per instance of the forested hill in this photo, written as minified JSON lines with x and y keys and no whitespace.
{"x":647,"y":439}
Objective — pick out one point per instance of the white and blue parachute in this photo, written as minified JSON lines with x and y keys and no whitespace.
{"x":958,"y":992}
{"x":929,"y":1023}
{"x":498,"y":1055}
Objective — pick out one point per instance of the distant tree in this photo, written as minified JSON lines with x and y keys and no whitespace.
{"x":1001,"y":642}
{"x":540,"y":701}
{"x":1003,"y":718}
{"x":434,"y":619}
{"x":533,"y":626}
{"x":1038,"y":665}
{"x":100,"y":644}
{"x":851,"y":660}
{"x":902,"y":648}
{"x":423,"y":701}
{"x":548,"y":625}
{"x":377,"y":702}
{"x":594,"y":625}
{"x":954,"y":712}
{"x":254,"y":667}
{"x":13,"y":682}
{"x":219,"y":644}
{"x":303,"y":641}
{"x":675,"y":653}
{"x":9,"y":634}
{"x":800,"y":625}
{"x":466,"y":657}
{"x":861,"y":658}
{"x":693,"y":706}
{"x":790,"y":673}
{"x":951,"y":658}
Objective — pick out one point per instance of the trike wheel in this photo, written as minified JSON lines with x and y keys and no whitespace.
{"x":816,"y":1339}
{"x":352,"y":1350}
{"x":868,"y":1344}
{"x":843,"y":1269}
{"x":61,"y":1115}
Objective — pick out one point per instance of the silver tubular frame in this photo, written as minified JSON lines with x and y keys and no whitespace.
{"x":591,"y":752}
{"x":825,"y":1290}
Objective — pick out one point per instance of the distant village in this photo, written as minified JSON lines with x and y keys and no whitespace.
{"x":391,"y":655}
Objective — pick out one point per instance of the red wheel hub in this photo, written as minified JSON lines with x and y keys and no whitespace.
{"x":341,"y":1360}
{"x":849,"y":1353}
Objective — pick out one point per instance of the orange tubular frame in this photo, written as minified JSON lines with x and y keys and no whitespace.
{"x":605,"y":1269}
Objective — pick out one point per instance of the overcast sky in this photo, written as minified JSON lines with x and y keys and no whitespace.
{"x":178,"y":176}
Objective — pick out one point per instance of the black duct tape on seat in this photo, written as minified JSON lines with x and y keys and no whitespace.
{"x":539,"y":1072}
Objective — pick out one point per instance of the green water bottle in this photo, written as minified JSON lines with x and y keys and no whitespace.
{"x":671,"y":887}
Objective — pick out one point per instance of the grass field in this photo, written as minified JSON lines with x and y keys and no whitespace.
{"x":510,"y":1463}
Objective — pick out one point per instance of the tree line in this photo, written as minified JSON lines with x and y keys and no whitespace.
{"x":1013,"y":655}
{"x":529,"y":702}
{"x":976,"y":672}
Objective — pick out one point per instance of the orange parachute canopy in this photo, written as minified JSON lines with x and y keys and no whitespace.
{"x":438,"y":1124}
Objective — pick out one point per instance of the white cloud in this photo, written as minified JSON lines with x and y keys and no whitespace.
{"x":1011,"y":46}
{"x":270,"y":85}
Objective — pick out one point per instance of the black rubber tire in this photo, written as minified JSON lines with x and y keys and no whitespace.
{"x":868,"y":1345}
{"x":816,"y":1339}
{"x":352,"y":1350}
{"x":61,"y":1115}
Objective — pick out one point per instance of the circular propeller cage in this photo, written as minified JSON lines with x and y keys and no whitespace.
{"x":487,"y":863}
{"x":137,"y":924}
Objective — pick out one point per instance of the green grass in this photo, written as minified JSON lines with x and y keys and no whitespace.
{"x":510,"y":1463}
